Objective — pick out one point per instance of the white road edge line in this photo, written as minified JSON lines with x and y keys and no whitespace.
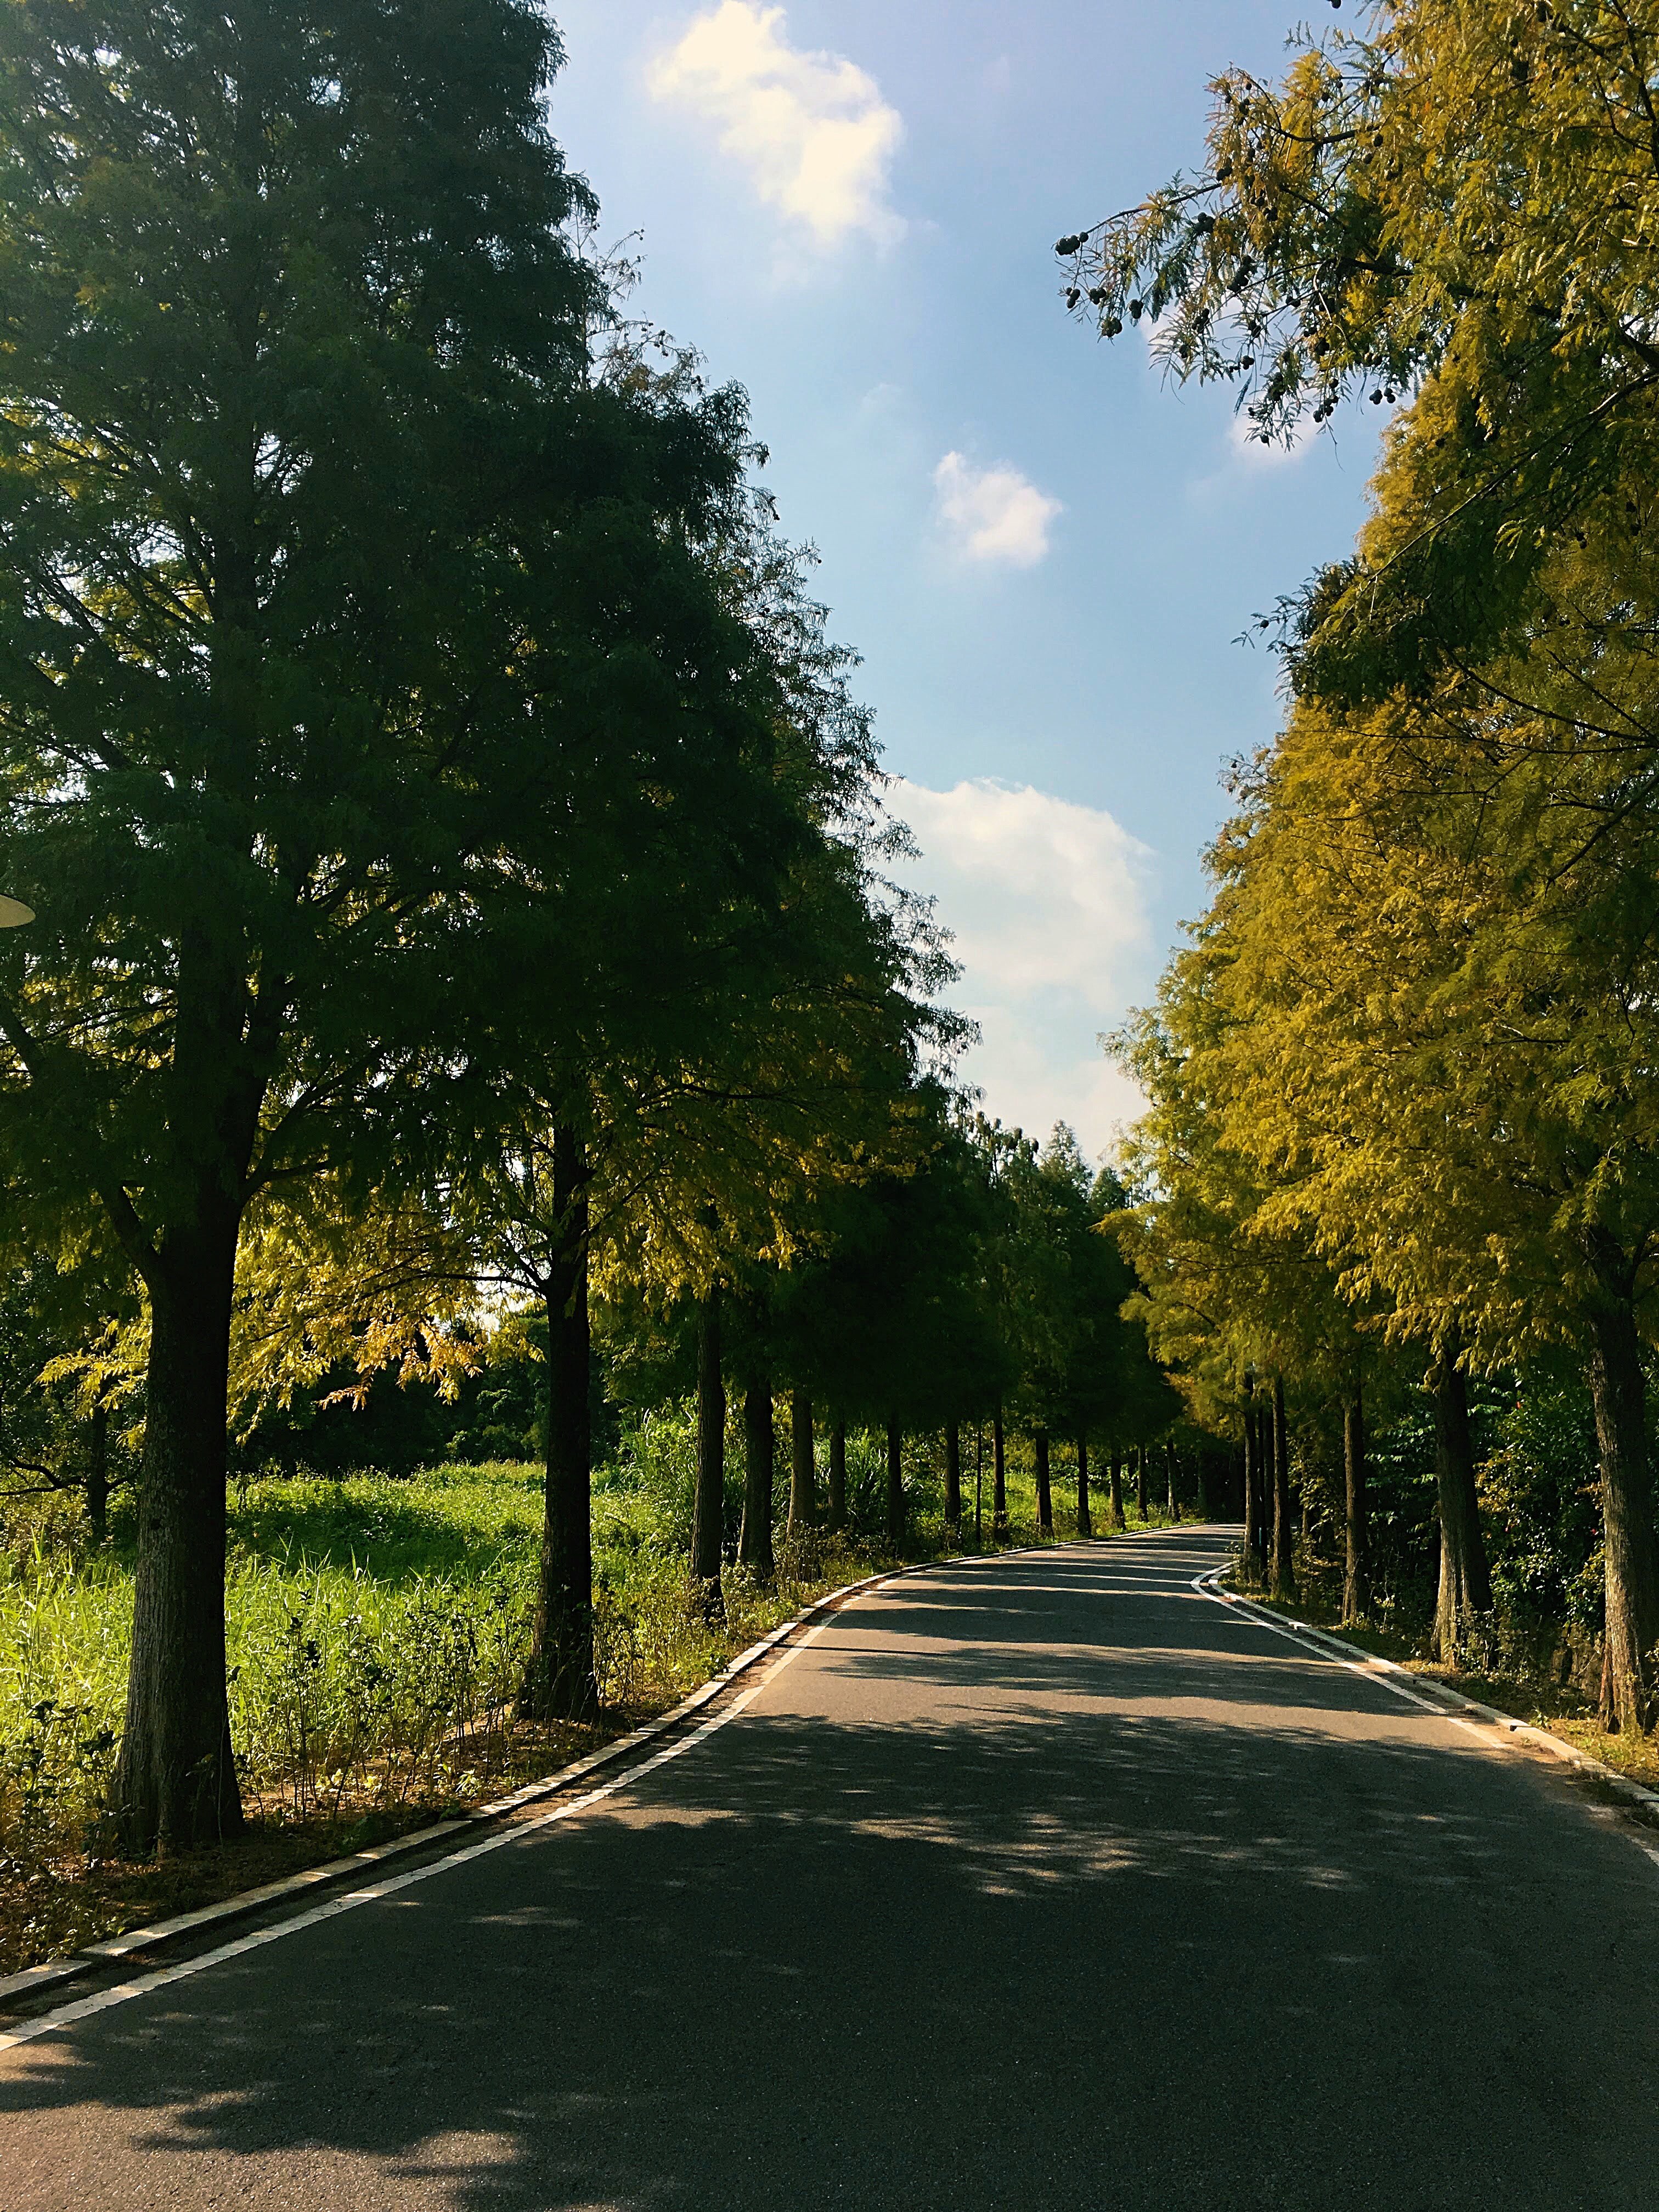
{"x":67,"y":2015}
{"x":1202,"y":1584}
{"x":1521,"y":1735}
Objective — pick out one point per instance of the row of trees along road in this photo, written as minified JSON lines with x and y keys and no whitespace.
{"x":978,"y":1288}
{"x":1403,"y":1118}
{"x":416,"y":746}
{"x":457,"y":852}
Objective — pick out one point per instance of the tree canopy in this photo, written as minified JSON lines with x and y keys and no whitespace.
{"x":1395,"y":1079}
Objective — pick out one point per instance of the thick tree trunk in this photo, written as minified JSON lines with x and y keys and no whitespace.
{"x":803,"y":1465}
{"x":560,"y":1682}
{"x":708,"y":1508}
{"x":999,"y":1481}
{"x":1630,"y":1691}
{"x":1115,"y":1490}
{"x":1465,"y":1582}
{"x":1284,"y":1552}
{"x":1252,"y":1550}
{"x":838,"y":1475}
{"x":1171,"y":1466}
{"x":953,"y":1478}
{"x":760,"y":1455}
{"x":895,"y":1484}
{"x":1357,"y":1570}
{"x":1085,"y":1526}
{"x":175,"y":1779}
{"x":98,"y":1472}
{"x":1142,"y":1505}
{"x":1045,"y":1503}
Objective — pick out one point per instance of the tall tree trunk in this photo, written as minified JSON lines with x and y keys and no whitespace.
{"x":803,"y":1465}
{"x":1045,"y":1503}
{"x":1465,"y":1582}
{"x":1357,"y":1570}
{"x":759,"y":1455}
{"x":1630,"y":1691}
{"x":953,"y":1478}
{"x":708,"y":1508}
{"x":1251,"y":1554}
{"x":1115,"y":1489}
{"x":1284,"y":1555}
{"x":98,"y":1472}
{"x":560,"y":1682}
{"x":999,"y":1480}
{"x":175,"y":1779}
{"x":1085,"y":1526}
{"x":1170,"y":1468}
{"x":838,"y":1474}
{"x":1142,"y":1505}
{"x":895,"y":1484}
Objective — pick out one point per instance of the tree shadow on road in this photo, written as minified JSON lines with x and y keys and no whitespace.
{"x":1146,"y":1959}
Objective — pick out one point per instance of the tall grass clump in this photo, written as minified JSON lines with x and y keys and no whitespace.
{"x":347,"y":1689}
{"x":64,"y":1635}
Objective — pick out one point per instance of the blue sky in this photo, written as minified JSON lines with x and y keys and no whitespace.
{"x":1044,"y":554}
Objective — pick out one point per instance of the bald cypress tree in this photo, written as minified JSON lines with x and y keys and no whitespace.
{"x":332,"y":682}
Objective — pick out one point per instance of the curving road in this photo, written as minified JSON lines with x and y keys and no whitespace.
{"x":1045,"y":1882}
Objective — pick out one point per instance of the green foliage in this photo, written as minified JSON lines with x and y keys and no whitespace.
{"x":886,"y":1316}
{"x":1538,"y":1489}
{"x":644,"y":1498}
{"x":384,"y":695}
{"x":449,"y":1521}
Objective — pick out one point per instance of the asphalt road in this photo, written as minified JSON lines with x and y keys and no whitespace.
{"x":1042,"y":1883}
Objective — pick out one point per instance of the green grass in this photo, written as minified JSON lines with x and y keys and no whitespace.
{"x":451,"y":1522}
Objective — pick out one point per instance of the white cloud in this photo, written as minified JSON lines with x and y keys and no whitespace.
{"x":993,"y":515}
{"x":1049,"y":903}
{"x":1049,"y":891}
{"x":812,"y":129}
{"x":1246,"y":442}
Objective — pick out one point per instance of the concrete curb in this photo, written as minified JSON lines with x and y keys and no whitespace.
{"x":159,"y":1933}
{"x":1429,"y":1687}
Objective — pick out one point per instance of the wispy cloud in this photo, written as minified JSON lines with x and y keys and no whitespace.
{"x":1049,"y":902}
{"x":811,"y":129}
{"x":1246,"y":441}
{"x":993,"y":515}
